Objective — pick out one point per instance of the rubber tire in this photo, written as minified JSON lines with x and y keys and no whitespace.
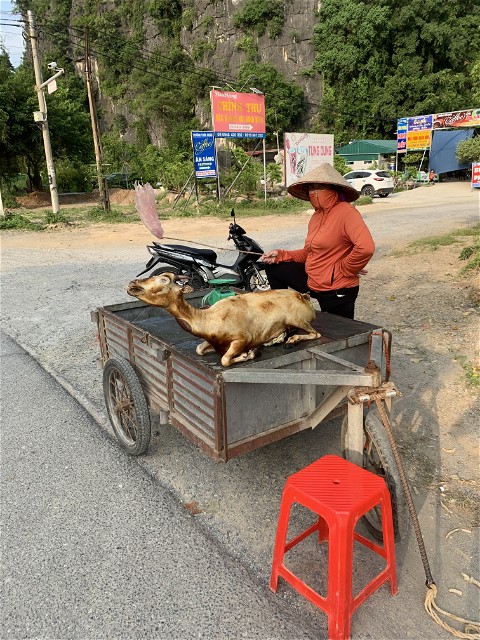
{"x":368,"y":190}
{"x":383,"y":195}
{"x":251,"y":276}
{"x":119,"y":368}
{"x":386,"y":468}
{"x":195,"y":281}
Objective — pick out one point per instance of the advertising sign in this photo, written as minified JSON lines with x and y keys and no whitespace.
{"x":476,"y":175}
{"x":420,"y":123}
{"x":238,"y":115}
{"x":419,"y":140}
{"x":402,"y":126}
{"x":304,"y":152}
{"x":467,"y":118}
{"x":203,"y":143}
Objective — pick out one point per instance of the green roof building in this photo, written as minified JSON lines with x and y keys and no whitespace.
{"x":359,"y":154}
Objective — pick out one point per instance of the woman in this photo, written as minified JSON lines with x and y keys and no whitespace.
{"x":337,"y":247}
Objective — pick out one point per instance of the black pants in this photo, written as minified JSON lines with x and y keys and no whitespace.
{"x":283,"y":275}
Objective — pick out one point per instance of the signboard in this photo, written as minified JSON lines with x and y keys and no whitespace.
{"x":304,"y":152}
{"x":402,"y":126}
{"x":420,"y":123}
{"x":453,"y":119}
{"x":238,"y":115}
{"x":419,"y":140}
{"x":203,"y":143}
{"x":476,"y":175}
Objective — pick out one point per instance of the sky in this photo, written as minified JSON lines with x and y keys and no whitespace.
{"x":11,"y":34}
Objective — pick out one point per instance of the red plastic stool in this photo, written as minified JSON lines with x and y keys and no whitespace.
{"x":340,"y":493}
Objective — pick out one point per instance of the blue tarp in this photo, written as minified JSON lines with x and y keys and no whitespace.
{"x":443,"y":150}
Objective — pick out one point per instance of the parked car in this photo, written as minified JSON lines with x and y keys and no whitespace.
{"x":371,"y":183}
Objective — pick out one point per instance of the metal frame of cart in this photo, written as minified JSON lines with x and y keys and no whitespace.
{"x":230,"y":411}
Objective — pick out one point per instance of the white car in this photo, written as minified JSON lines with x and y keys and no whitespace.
{"x":371,"y":183}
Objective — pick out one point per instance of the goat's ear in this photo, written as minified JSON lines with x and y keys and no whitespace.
{"x":183,"y":283}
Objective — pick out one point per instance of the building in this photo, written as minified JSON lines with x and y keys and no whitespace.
{"x":360,"y":154}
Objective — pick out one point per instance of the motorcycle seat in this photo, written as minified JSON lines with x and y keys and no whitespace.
{"x":207,"y":254}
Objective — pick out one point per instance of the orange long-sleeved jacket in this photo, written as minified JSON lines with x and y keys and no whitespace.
{"x":338,"y":245}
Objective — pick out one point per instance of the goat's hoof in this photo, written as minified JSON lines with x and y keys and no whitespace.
{"x":289,"y":345}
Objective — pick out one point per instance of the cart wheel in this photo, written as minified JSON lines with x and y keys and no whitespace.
{"x":378,"y":458}
{"x":126,"y":405}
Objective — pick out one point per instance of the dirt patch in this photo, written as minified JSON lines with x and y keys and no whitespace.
{"x":42,"y":200}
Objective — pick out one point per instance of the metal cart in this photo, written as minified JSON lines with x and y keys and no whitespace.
{"x":149,"y":362}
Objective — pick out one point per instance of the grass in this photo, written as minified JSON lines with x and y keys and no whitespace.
{"x":17,"y":221}
{"x":469,"y":253}
{"x":472,"y":371}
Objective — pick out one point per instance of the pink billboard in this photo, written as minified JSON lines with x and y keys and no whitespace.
{"x":238,"y":115}
{"x":304,"y":152}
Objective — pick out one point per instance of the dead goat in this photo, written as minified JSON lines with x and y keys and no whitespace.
{"x":234,"y":326}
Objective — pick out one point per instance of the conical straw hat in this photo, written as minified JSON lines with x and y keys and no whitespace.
{"x":323,"y":174}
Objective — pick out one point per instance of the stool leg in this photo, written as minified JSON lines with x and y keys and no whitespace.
{"x":340,"y":563}
{"x":280,"y":539}
{"x":389,"y":540}
{"x":322,"y":529}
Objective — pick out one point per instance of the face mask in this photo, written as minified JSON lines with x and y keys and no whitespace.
{"x":322,"y":198}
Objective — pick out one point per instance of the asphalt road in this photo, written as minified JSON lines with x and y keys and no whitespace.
{"x":92,"y":547}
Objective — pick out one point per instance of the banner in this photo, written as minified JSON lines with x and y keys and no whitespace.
{"x":476,"y":175}
{"x":420,"y":123}
{"x":466,"y":118}
{"x":203,"y":143}
{"x":402,"y":126}
{"x":238,"y":115}
{"x":304,"y":152}
{"x":419,"y":140}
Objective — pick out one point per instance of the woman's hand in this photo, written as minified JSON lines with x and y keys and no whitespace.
{"x":362,"y":272}
{"x":269,"y":257}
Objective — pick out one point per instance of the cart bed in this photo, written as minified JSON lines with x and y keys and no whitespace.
{"x":192,"y":392}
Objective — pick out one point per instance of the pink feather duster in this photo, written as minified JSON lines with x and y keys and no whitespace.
{"x":147,"y":209}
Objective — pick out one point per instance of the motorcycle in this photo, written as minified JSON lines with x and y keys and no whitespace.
{"x":200,"y":265}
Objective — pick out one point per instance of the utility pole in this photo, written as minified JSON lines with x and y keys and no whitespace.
{"x":102,"y":185}
{"x":52,"y":180}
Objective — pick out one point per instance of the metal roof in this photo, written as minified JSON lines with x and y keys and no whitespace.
{"x":367,"y":147}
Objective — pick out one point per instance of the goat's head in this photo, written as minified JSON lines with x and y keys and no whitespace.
{"x":159,"y":291}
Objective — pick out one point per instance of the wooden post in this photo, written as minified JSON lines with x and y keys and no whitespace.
{"x":102,"y":185}
{"x":265,"y":170}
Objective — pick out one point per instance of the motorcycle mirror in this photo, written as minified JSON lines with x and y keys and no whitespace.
{"x":232,"y":213}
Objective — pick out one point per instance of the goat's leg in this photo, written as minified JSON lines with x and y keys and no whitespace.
{"x":204,"y":347}
{"x":311,"y":334}
{"x":236,"y":353}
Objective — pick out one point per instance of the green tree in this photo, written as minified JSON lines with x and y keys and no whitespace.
{"x":468,"y":151}
{"x":21,"y":142}
{"x":382,"y":59}
{"x":284,"y":101}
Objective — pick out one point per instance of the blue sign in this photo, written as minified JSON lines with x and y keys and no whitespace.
{"x":420,"y":123}
{"x":203,"y":143}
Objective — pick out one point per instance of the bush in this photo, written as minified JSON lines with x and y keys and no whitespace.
{"x":468,"y":151}
{"x":72,"y":176}
{"x":247,"y":181}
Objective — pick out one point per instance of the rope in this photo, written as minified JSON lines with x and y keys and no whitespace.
{"x":472,"y":628}
{"x":210,"y":246}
